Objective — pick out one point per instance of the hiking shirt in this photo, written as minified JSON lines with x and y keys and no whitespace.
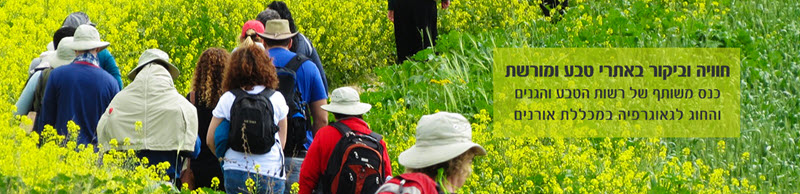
{"x":168,"y":121}
{"x":79,"y":92}
{"x":308,"y":81}
{"x":316,"y":161}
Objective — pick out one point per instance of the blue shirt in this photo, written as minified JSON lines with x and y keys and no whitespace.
{"x":79,"y":92}
{"x":308,"y":78}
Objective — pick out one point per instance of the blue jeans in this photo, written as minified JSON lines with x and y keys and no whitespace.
{"x":292,"y":166}
{"x":235,"y":182}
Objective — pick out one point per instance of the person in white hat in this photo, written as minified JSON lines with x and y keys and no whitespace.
{"x":443,"y":151}
{"x":29,"y":101}
{"x":307,"y":93}
{"x":169,"y":121}
{"x":79,"y":91}
{"x":348,"y":110}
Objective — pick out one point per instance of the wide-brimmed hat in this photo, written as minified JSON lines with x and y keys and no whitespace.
{"x":254,"y":25}
{"x":277,"y":30}
{"x":157,"y":56}
{"x":87,"y":38}
{"x":345,"y":100}
{"x":63,"y":55}
{"x":440,"y":138}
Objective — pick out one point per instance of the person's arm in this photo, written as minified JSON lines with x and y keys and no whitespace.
{"x":319,"y":114}
{"x":310,"y":170}
{"x":282,"y":132}
{"x":25,"y":100}
{"x":212,"y":128}
{"x":391,"y":5}
{"x":109,"y":64}
{"x":387,"y":161}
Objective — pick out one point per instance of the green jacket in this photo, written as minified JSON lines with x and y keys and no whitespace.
{"x":169,"y":121}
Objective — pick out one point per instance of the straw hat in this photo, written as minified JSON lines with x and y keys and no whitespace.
{"x":440,"y":138}
{"x":345,"y":100}
{"x":63,"y":55}
{"x":157,"y":56}
{"x":87,"y":38}
{"x":277,"y":30}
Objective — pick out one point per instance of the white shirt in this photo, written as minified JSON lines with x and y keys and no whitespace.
{"x":270,"y":163}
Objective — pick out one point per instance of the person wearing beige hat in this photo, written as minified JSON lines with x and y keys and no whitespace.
{"x":443,"y":152}
{"x":168,"y":120}
{"x":80,"y":91}
{"x":329,"y":146}
{"x":304,"y":91}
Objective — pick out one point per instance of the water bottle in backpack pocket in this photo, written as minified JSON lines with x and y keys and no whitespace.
{"x":252,"y":122}
{"x":356,"y":164}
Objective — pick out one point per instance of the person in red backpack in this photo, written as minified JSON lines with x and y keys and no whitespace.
{"x":316,"y":175}
{"x":441,"y":159}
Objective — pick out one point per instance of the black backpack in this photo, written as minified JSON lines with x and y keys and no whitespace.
{"x":298,"y":121}
{"x":356,"y":163}
{"x":252,"y":124}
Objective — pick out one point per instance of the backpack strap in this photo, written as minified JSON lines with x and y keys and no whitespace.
{"x":237,"y":92}
{"x":267,"y":93}
{"x":296,"y":62}
{"x":343,"y":129}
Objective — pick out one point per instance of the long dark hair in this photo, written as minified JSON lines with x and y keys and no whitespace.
{"x":283,"y":10}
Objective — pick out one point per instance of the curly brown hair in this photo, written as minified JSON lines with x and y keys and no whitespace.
{"x":205,"y":83}
{"x":461,"y":165}
{"x":249,"y":66}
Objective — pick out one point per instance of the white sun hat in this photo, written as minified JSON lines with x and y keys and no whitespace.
{"x":154,"y":56}
{"x":345,"y":100}
{"x":86,"y":38}
{"x":440,"y":138}
{"x":64,"y":55}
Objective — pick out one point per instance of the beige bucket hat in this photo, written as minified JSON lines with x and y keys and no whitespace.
{"x":158,"y":56}
{"x":63,"y":55}
{"x":86,"y":37}
{"x":346,"y":101}
{"x":277,"y":30}
{"x":440,"y":138}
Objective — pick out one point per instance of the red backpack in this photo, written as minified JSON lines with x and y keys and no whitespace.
{"x":409,"y":183}
{"x":356,"y":164}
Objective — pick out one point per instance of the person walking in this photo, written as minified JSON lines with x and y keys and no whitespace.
{"x":257,"y":117}
{"x":415,"y":25}
{"x":80,"y":91}
{"x":304,"y":92}
{"x":168,"y":130}
{"x":324,"y":159}
{"x":440,"y":161}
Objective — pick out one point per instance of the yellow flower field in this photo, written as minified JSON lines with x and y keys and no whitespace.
{"x":356,"y":43}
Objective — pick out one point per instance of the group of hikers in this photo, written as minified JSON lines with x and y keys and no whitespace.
{"x":257,"y":114}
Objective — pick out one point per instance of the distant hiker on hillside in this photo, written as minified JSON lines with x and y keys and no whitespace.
{"x":414,"y":25}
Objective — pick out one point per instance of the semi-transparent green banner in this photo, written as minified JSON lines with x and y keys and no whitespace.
{"x":617,"y":92}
